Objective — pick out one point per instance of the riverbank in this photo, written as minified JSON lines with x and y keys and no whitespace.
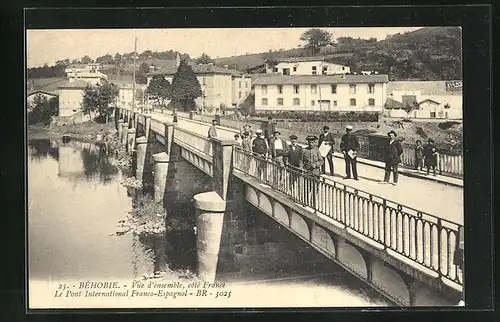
{"x":88,"y":131}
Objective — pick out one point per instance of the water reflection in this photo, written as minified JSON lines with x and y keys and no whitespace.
{"x":40,"y":149}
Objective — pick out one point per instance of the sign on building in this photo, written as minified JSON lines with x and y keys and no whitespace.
{"x":452,"y":86}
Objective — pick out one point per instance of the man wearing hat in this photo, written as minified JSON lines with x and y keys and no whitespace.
{"x":270,"y":129}
{"x":349,"y":145}
{"x":212,"y":131}
{"x":392,"y":157}
{"x":312,"y":161}
{"x":327,"y":139}
{"x":260,"y":148}
{"x":278,"y":147}
{"x":294,"y":159}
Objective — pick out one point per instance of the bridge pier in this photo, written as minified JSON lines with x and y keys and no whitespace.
{"x":147,"y":126}
{"x":119,"y":128}
{"x":161,"y":164}
{"x":210,"y":209}
{"x":130,"y":140}
{"x":124,"y":133}
{"x":141,"y":145}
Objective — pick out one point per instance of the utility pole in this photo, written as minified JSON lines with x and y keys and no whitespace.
{"x":133,"y":76}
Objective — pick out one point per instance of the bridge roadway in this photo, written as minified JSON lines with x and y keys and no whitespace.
{"x":436,"y":198}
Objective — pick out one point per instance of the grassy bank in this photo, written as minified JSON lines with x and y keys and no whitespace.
{"x":87,"y":131}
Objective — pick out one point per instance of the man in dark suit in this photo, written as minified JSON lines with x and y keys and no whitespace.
{"x":294,"y":161}
{"x":270,"y":129}
{"x":260,"y":148}
{"x":327,"y":138}
{"x":349,"y":145}
{"x":392,"y":157}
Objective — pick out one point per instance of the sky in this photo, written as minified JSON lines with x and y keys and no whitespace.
{"x":48,"y":46}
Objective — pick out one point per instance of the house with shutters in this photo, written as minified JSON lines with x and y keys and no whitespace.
{"x":320,"y":92}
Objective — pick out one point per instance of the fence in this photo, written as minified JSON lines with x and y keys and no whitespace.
{"x":448,"y":164}
{"x":423,"y":238}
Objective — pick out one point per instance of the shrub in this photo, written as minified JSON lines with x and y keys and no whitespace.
{"x":321,"y":116}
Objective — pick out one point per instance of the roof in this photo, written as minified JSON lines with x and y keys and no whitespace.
{"x":300,"y":59}
{"x":41,"y":92}
{"x":76,"y":84}
{"x":319,"y":79}
{"x":82,"y":65}
{"x":428,"y":100}
{"x":171,"y":69}
{"x":393,"y":104}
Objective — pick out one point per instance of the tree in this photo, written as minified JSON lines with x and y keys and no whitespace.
{"x":105,"y":59}
{"x":42,"y":109}
{"x":159,"y":87}
{"x":86,"y":59}
{"x":185,"y":87}
{"x":98,"y":99}
{"x":204,"y":59}
{"x":141,"y":77}
{"x":63,"y":62}
{"x":316,"y":39}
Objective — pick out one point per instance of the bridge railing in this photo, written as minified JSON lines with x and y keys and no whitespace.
{"x":447,"y":164}
{"x":196,"y":141}
{"x":420,"y":237}
{"x":157,"y":126}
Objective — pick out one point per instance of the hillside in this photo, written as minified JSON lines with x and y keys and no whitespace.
{"x":432,"y":53}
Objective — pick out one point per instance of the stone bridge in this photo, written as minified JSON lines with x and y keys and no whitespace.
{"x":402,"y":245}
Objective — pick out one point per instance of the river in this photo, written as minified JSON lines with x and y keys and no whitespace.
{"x":75,"y":201}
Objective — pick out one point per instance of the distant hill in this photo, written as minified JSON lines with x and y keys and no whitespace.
{"x":431,"y":53}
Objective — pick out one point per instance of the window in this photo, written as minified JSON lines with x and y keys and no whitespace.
{"x":313,"y":103}
{"x":246,"y":84}
{"x":280,"y":101}
{"x":264,"y":102}
{"x":280,"y":89}
{"x":433,"y":115}
{"x":352,"y":102}
{"x":334,"y":89}
{"x":314,"y":89}
{"x":371,"y":102}
{"x":314,"y":70}
{"x":264,"y":89}
{"x":296,"y":89}
{"x":275,"y":69}
{"x":296,"y":101}
{"x":334,"y":103}
{"x":203,"y":80}
{"x":286,"y":71}
{"x":371,"y":88}
{"x":352,"y":89}
{"x":239,"y":84}
{"x":239,"y":94}
{"x":294,"y":68}
{"x":343,"y":68}
{"x":325,"y":69}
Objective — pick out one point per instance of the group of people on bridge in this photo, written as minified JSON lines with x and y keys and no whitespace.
{"x":312,"y":160}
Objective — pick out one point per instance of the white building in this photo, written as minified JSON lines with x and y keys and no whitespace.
{"x":71,"y":97}
{"x":306,"y":66}
{"x":320,"y":93}
{"x":125,"y":93}
{"x":444,"y":106}
{"x":86,"y":72}
{"x":219,"y":86}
